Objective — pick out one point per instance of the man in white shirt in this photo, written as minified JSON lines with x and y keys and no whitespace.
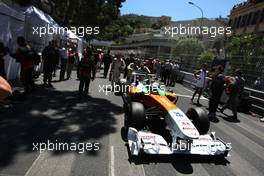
{"x":200,"y":77}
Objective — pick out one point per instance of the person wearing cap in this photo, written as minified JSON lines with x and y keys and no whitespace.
{"x":200,"y":77}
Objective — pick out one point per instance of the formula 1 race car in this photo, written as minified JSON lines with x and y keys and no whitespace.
{"x":155,"y":125}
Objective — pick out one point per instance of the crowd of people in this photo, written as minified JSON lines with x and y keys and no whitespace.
{"x":167,"y":71}
{"x":232,"y":85}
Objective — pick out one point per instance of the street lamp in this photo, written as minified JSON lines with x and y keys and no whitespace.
{"x":192,"y":3}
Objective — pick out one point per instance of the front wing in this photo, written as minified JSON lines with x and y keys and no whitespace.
{"x":150,"y":143}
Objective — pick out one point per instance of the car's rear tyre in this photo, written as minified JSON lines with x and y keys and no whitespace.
{"x":136,"y":116}
{"x":200,"y":119}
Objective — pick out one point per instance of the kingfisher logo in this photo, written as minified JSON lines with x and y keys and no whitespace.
{"x":178,"y":114}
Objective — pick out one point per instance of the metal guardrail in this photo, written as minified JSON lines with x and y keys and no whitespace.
{"x":255,"y":96}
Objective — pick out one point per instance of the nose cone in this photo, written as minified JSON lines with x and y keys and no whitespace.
{"x":182,"y":125}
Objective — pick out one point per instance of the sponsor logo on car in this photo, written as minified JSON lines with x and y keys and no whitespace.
{"x":148,"y":137}
{"x":178,"y":114}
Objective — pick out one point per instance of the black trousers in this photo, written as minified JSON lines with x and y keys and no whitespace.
{"x":48,"y":70}
{"x":106,"y":69}
{"x":84,"y":86}
{"x":63,"y":69}
{"x":28,"y":79}
{"x":213,"y":103}
{"x":167,"y":74}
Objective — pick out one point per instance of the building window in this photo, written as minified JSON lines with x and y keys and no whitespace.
{"x":230,"y":22}
{"x":243,"y":21}
{"x":255,"y":18}
{"x":262,"y":17}
{"x":249,"y":18}
{"x":234,"y":24}
{"x":238,"y":22}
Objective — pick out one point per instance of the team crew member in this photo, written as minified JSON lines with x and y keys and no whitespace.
{"x":200,"y":83}
{"x":216,"y":88}
{"x":86,"y":71}
{"x":50,"y":56}
{"x":117,"y":66}
{"x":133,"y":67}
{"x":167,"y":72}
{"x":144,"y":69}
{"x":236,"y":87}
{"x":174,"y":72}
{"x":107,"y":59}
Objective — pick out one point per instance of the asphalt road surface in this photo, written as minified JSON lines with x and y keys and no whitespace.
{"x":56,"y":115}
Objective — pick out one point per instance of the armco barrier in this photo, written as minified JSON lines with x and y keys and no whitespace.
{"x":255,"y":96}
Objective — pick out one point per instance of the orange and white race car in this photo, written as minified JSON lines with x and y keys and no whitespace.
{"x":155,"y":125}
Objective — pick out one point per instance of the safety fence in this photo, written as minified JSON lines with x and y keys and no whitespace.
{"x":252,"y":67}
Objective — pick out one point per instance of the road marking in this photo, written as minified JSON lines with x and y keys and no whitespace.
{"x":202,"y":97}
{"x":189,"y":96}
{"x":112,"y":162}
{"x":187,"y":89}
{"x":33,"y":164}
{"x":143,"y":170}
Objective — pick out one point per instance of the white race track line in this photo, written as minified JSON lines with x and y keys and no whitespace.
{"x":33,"y":164}
{"x":189,"y":96}
{"x":143,"y":170}
{"x":112,"y":162}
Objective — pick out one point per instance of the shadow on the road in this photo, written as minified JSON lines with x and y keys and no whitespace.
{"x":214,"y":120}
{"x":181,"y":163}
{"x":230,"y":119}
{"x":56,"y":116}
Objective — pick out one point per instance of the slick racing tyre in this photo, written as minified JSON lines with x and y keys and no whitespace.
{"x":124,"y":132}
{"x":199,"y":119}
{"x":136,"y":116}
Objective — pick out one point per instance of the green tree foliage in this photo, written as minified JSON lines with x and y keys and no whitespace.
{"x":188,"y":47}
{"x":80,"y":12}
{"x":102,"y":13}
{"x":118,"y":30}
{"x":164,"y":21}
{"x":205,"y":57}
{"x":247,"y":46}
